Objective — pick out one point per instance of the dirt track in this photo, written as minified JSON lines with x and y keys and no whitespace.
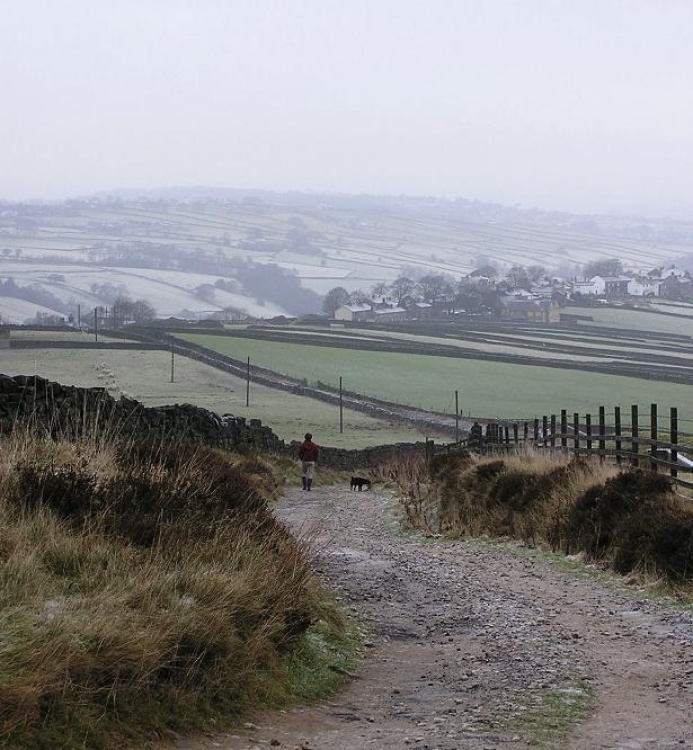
{"x":473,"y":644}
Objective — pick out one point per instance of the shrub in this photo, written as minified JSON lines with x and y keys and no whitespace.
{"x":635,"y":520}
{"x":631,"y":520}
{"x":142,"y":588}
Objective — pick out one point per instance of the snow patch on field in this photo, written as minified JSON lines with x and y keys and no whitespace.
{"x":17,"y":311}
{"x":169,"y":292}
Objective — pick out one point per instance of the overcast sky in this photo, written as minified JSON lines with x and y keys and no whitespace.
{"x":583,"y":105}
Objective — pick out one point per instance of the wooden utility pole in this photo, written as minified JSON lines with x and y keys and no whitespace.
{"x":341,"y":407}
{"x":247,"y":383}
{"x":96,"y":324}
{"x":173,"y":375}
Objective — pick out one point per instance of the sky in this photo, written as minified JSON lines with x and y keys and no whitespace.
{"x":579,"y":105}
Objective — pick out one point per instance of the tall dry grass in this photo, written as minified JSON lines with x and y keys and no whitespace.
{"x":630,"y":520}
{"x":142,"y":589}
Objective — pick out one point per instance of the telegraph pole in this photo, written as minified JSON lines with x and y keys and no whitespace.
{"x":247,"y":383}
{"x":341,"y":407}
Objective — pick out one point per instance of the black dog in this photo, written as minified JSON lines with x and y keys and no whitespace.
{"x":358,"y":483}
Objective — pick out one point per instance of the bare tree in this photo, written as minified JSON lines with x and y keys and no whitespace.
{"x":401,"y":287}
{"x":434,"y":288}
{"x":334,"y":299}
{"x":380,"y":289}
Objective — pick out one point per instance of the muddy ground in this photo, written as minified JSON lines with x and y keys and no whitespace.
{"x":480,"y":646}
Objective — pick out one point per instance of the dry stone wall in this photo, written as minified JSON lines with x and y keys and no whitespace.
{"x":69,"y":410}
{"x":56,"y":409}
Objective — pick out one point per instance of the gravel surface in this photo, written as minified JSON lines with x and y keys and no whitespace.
{"x":475,"y":646}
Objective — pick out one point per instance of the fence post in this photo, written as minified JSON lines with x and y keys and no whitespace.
{"x":516,"y":433}
{"x":536,"y":431}
{"x":430,"y":450}
{"x":506,"y":430}
{"x":674,"y":439}
{"x":602,"y":434}
{"x":576,"y":433}
{"x":553,"y":430}
{"x":634,"y":434}
{"x":564,"y":428}
{"x":653,"y":437}
{"x":544,"y":430}
{"x":457,"y":416}
{"x":525,"y":431}
{"x":588,"y":431}
{"x":617,"y":434}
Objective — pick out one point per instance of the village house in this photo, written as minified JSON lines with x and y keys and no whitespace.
{"x":392,"y":314}
{"x":643,"y":286}
{"x":543,"y":311}
{"x":592,"y":287}
{"x":420,"y":310}
{"x":616,"y":286}
{"x":353,"y":313}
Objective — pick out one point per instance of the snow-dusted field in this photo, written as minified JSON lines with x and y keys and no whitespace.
{"x":169,"y":292}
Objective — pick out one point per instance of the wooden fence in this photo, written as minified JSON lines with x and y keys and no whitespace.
{"x":639,"y":440}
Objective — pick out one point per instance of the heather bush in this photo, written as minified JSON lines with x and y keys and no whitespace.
{"x":630,"y":520}
{"x":145,"y":588}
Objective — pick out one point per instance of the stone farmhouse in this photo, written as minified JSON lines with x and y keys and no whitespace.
{"x":353,"y":313}
{"x":530,"y":310}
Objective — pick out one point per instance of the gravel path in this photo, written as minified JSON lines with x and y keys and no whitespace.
{"x":473,"y":647}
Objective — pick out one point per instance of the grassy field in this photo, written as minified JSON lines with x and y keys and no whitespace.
{"x":616,"y":317}
{"x":486,"y":389}
{"x":146,"y":375}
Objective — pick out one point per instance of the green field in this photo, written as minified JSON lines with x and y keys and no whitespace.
{"x":146,"y":375}
{"x":486,"y":389}
{"x":616,"y":317}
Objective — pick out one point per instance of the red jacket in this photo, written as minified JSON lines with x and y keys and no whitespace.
{"x":308,"y":451}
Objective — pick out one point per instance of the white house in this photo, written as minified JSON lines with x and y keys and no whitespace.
{"x":353,"y":312}
{"x":642,"y":286}
{"x":677,"y":273}
{"x":590,"y":287}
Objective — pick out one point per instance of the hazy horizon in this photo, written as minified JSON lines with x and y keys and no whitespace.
{"x":582,"y":107}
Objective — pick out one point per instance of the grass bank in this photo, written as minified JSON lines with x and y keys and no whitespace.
{"x":145,"y":589}
{"x":630,"y":521}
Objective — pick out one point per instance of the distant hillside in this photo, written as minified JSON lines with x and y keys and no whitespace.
{"x":200,"y":251}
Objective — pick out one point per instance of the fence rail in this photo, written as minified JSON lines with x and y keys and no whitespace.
{"x":645,"y":441}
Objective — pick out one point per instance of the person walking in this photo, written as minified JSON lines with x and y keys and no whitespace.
{"x":308,"y":452}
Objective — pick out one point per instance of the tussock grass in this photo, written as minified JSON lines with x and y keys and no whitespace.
{"x":631,"y":521}
{"x":145,"y":588}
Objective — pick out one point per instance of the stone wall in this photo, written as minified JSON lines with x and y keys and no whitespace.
{"x":57,"y":409}
{"x":67,"y":410}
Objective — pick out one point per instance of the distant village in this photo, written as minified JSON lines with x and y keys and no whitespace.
{"x":484,"y":293}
